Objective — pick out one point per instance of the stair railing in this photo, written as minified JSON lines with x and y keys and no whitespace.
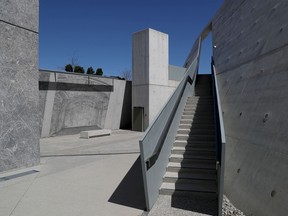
{"x":157,"y":142}
{"x":220,"y":138}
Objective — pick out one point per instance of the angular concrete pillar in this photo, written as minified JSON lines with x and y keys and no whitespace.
{"x":19,"y":93}
{"x":149,"y":74}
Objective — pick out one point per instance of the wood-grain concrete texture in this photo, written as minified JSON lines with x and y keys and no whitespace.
{"x":250,"y":39}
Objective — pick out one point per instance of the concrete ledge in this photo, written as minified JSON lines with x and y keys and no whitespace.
{"x":94,"y":133}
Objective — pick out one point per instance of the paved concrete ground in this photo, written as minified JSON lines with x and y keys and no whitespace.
{"x":184,"y":205}
{"x":82,"y":177}
{"x":75,"y":185}
{"x":120,"y":141}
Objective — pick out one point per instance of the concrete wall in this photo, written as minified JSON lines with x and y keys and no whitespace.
{"x":150,"y":71}
{"x":251,"y":38}
{"x":19,"y":98}
{"x":71,"y":103}
{"x":176,"y":73}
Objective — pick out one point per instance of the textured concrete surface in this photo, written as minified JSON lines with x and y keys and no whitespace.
{"x":251,"y":38}
{"x":115,"y":106}
{"x":22,"y":13}
{"x":19,"y":97}
{"x":176,"y":73}
{"x":77,"y":185}
{"x":73,"y":103}
{"x":119,"y":142}
{"x":183,"y":205}
{"x":150,"y":85}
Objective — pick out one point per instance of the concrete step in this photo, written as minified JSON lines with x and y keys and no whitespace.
{"x":197,"y":121}
{"x":195,"y":113}
{"x":194,"y":137}
{"x":190,"y":170}
{"x":196,"y":131}
{"x":199,"y":108}
{"x":200,"y":100}
{"x":192,"y":181}
{"x":194,"y":148}
{"x":193,"y":163}
{"x":194,"y":107}
{"x":194,"y":174}
{"x":196,"y":144}
{"x":182,"y":152}
{"x":197,"y":126}
{"x":185,"y":157}
{"x":201,"y":117}
{"x":199,"y":104}
{"x":202,"y":120}
{"x":170,"y":188}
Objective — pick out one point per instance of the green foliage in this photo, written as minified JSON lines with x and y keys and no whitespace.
{"x":99,"y":72}
{"x":69,"y":68}
{"x":79,"y":69}
{"x":90,"y":70}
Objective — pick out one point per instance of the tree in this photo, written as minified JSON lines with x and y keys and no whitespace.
{"x":69,"y":68}
{"x":79,"y":69}
{"x":127,"y":74}
{"x":90,"y":70}
{"x":99,"y":72}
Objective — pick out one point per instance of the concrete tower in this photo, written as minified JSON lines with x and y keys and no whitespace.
{"x":150,"y":66}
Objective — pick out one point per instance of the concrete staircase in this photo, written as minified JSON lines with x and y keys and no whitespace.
{"x":192,"y":163}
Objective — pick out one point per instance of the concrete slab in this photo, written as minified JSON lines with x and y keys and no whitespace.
{"x":94,"y":133}
{"x":183,"y":205}
{"x":119,"y":142}
{"x":78,"y":185}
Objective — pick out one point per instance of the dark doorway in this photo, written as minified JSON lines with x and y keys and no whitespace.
{"x":138,"y":113}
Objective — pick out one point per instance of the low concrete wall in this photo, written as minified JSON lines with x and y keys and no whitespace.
{"x":19,"y":96}
{"x":251,"y":38}
{"x":70,"y":103}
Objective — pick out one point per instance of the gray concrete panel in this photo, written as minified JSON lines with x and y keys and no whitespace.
{"x":176,"y":73}
{"x":47,"y":103}
{"x":254,"y":29}
{"x":69,"y":110}
{"x":19,"y":96}
{"x":251,"y":62}
{"x":23,"y":13}
{"x":74,"y":109}
{"x":115,"y":106}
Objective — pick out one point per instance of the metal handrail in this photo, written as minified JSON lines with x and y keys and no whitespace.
{"x":219,"y":117}
{"x":220,"y":138}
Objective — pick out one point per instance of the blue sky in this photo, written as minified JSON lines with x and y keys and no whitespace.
{"x":98,"y":33}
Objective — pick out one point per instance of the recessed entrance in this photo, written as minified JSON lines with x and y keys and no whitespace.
{"x":138,"y":114}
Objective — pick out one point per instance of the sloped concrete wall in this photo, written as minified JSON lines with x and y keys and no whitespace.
{"x":19,"y":96}
{"x":251,"y":57}
{"x":72,"y":103}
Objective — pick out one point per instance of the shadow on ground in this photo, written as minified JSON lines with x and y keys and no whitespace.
{"x":130,"y":192}
{"x":204,"y":204}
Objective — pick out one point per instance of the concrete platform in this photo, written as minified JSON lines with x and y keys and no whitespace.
{"x":76,"y":184}
{"x":183,"y":205}
{"x":119,"y":142}
{"x":77,"y":176}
